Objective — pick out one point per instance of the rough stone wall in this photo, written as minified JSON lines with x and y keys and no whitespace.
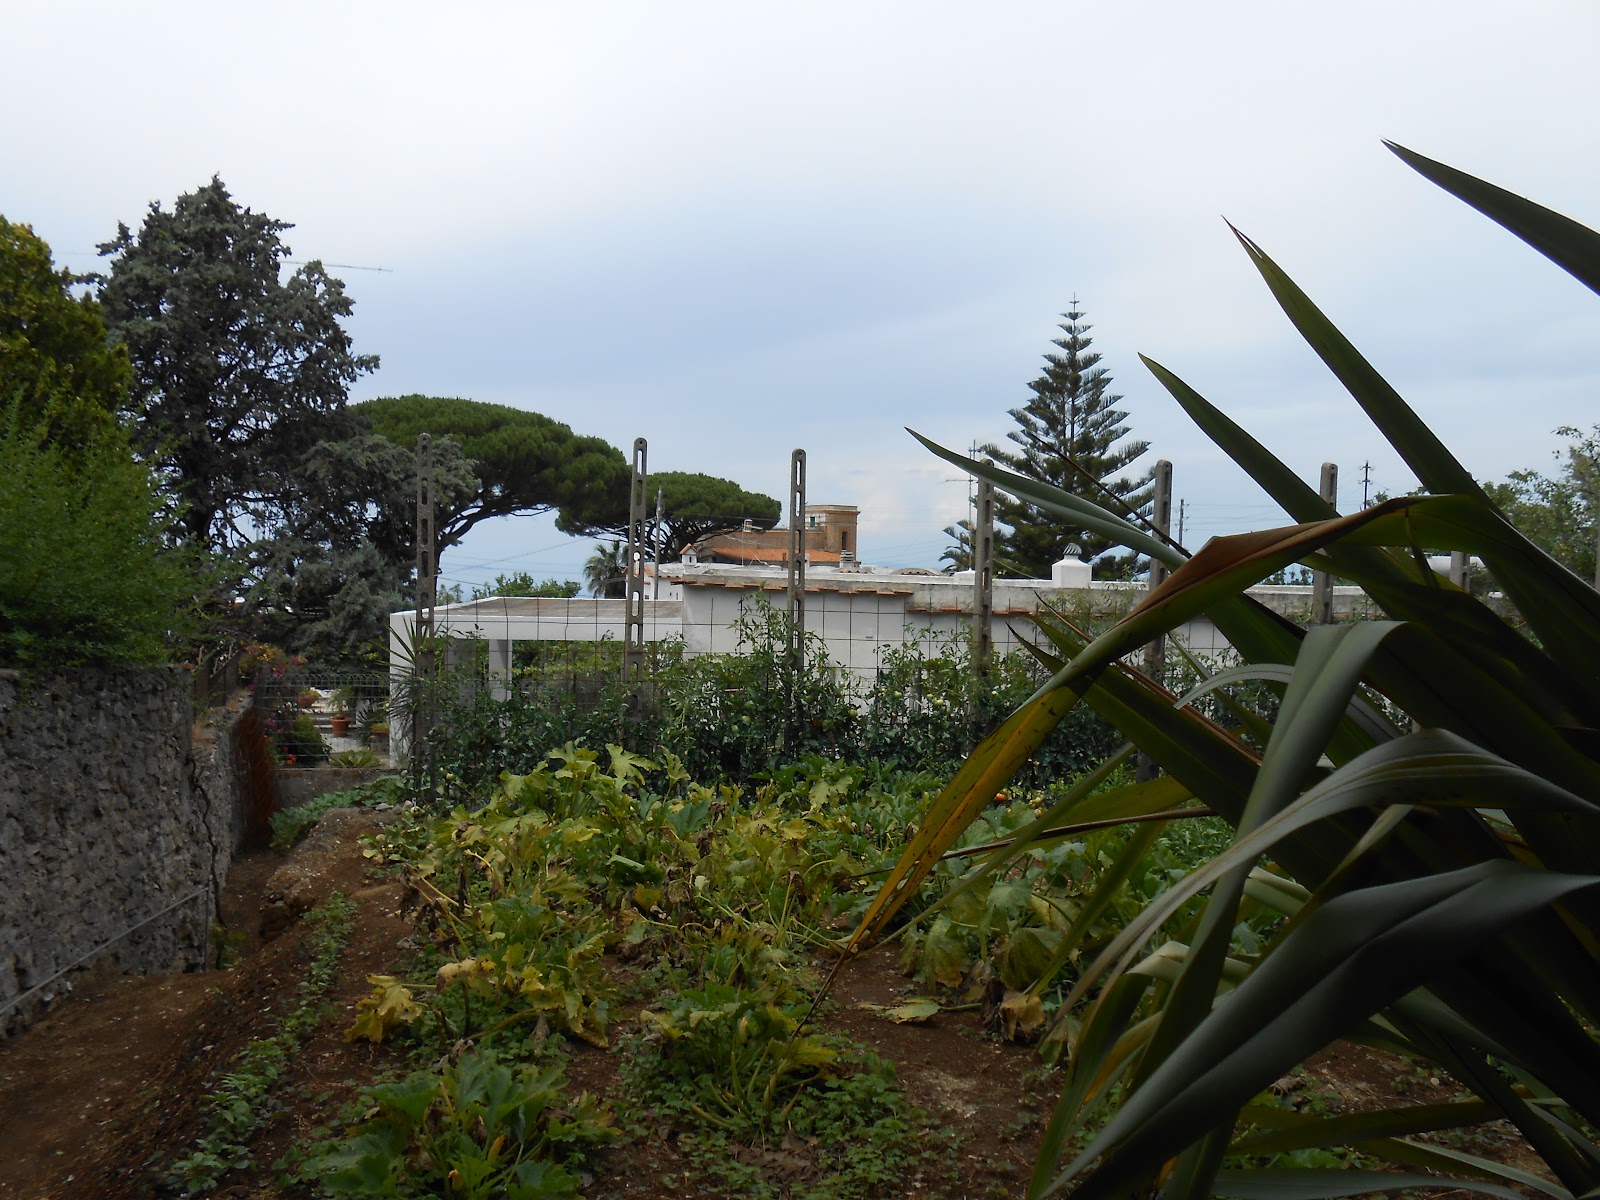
{"x":115,"y":833}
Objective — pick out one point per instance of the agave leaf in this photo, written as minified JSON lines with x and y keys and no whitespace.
{"x":1330,"y":663}
{"x":1281,"y":1129}
{"x":1275,"y":892}
{"x":1347,"y":959}
{"x":1572,"y":1157}
{"x":987,"y":770}
{"x":1297,"y":498}
{"x":1095,"y":1063}
{"x":1571,"y":246}
{"x":1426,"y":455}
{"x":1373,"y":724}
{"x":1430,"y":767}
{"x":1310,"y":1183}
{"x":1398,"y":586}
{"x":1167,"y":962}
{"x":1418,"y":445}
{"x":1333,"y":659}
{"x":1442,"y":1158}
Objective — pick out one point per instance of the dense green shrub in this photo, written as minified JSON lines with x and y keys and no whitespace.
{"x":300,"y":743}
{"x":734,"y":716}
{"x":85,"y":576}
{"x":928,"y":708}
{"x":742,"y":716}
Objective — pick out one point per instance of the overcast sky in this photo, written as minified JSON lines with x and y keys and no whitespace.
{"x":738,"y":228}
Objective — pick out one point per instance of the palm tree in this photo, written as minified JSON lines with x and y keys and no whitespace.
{"x":958,"y":557}
{"x":606,"y":572}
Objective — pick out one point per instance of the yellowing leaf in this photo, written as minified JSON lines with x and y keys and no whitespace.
{"x":944,"y":954}
{"x":576,"y":832}
{"x":1021,"y":1014}
{"x":381,"y":1013}
{"x":912,"y":1012}
{"x":468,"y":971}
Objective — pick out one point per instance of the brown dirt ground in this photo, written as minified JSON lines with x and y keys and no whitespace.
{"x":104,"y":1089}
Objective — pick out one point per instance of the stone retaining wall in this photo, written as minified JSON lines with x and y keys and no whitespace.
{"x":116,"y":831}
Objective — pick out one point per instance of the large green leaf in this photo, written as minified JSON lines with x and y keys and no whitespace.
{"x":1573,"y":247}
{"x":1438,"y":469}
{"x":1307,"y":1183}
{"x":1347,"y":959}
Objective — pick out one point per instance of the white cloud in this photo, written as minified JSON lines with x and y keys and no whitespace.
{"x":736,"y":229}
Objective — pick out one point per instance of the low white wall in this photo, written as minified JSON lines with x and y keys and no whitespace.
{"x":857,"y":614}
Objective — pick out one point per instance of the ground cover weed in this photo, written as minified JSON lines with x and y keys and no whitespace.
{"x":480,"y":1128}
{"x":730,"y":1067}
{"x":289,"y":825}
{"x":242,"y":1103}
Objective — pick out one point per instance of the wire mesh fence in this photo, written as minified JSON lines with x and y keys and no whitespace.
{"x":888,"y":676}
{"x":314,"y":717}
{"x":735,"y":715}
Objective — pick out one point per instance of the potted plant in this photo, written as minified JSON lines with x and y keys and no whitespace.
{"x":308,"y":698}
{"x":378,"y":734}
{"x":342,"y":699}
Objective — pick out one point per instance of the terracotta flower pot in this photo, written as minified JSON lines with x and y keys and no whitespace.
{"x":340,"y":723}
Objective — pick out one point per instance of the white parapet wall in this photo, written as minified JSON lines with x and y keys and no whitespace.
{"x":859,"y":613}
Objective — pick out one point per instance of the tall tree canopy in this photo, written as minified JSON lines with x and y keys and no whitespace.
{"x":85,"y":572}
{"x":341,"y":555}
{"x":525,"y":462}
{"x":1072,"y":435}
{"x":1559,"y":512}
{"x":238,"y":372}
{"x":56,"y":363}
{"x":693,"y":506}
{"x":520,"y":583}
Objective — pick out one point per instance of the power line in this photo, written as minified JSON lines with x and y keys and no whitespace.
{"x":305,"y":262}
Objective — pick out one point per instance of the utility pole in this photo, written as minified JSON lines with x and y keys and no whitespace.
{"x":797,"y":559}
{"x":983,"y":579}
{"x":982,"y":599}
{"x":797,"y":585}
{"x":1155,"y":652}
{"x":1321,"y":581}
{"x":661,"y":508}
{"x":633,"y":627}
{"x":1366,"y":482}
{"x":422,"y":682}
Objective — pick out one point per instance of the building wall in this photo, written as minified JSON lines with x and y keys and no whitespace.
{"x":116,"y":832}
{"x":857,"y":614}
